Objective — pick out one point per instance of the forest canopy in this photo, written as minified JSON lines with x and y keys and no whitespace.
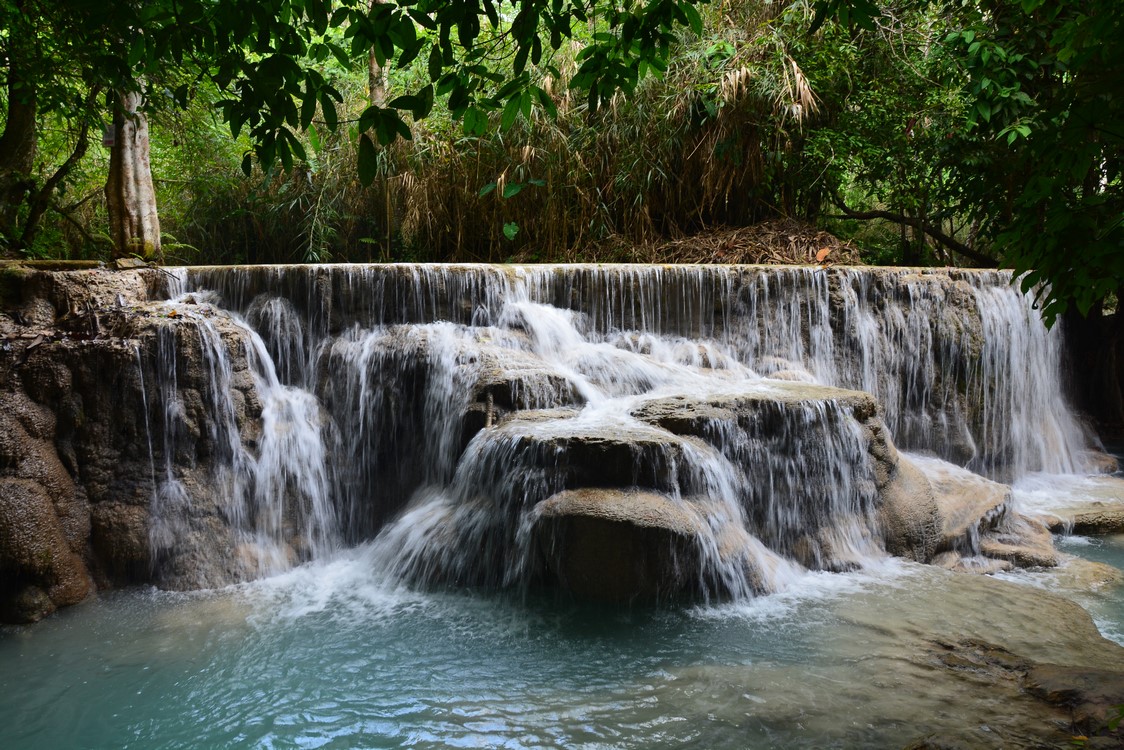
{"x":974,"y":132}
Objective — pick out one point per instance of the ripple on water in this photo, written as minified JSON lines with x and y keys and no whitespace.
{"x":328,"y":656}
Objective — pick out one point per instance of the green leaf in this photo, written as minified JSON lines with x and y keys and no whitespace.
{"x":370,"y":117}
{"x":436,"y":63}
{"x":368,"y":160}
{"x":402,"y":129}
{"x":510,"y":112}
{"x":475,"y":122}
{"x":314,"y":138}
{"x":295,"y":145}
{"x":487,"y":189}
{"x":693,"y":17}
{"x":510,"y":229}
{"x":284,"y":154}
{"x":546,"y":102}
{"x":405,"y":102}
{"x":512,"y":189}
{"x":328,"y":110}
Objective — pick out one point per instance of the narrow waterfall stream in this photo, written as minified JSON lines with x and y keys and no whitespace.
{"x":430,"y":471}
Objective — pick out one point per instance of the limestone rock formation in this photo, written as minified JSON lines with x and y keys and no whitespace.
{"x":80,"y":470}
{"x":911,"y":518}
{"x":529,"y":438}
{"x":1103,"y":518}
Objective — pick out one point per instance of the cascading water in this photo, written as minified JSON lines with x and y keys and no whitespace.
{"x":275,"y":493}
{"x":629,"y":431}
{"x":457,"y":399}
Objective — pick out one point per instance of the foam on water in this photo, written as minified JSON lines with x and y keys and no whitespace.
{"x":1050,"y":493}
{"x":807,"y":592}
{"x":342,"y":586}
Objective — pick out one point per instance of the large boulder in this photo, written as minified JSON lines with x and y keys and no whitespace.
{"x":716,"y":494}
{"x":803,"y":462}
{"x":979,"y":529}
{"x":911,"y":519}
{"x":621,"y":545}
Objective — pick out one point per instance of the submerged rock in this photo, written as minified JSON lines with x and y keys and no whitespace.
{"x":919,"y":658}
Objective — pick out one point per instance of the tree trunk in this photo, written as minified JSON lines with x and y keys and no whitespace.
{"x":130,"y":197}
{"x":376,"y":88}
{"x":376,"y":80}
{"x":17,"y":147}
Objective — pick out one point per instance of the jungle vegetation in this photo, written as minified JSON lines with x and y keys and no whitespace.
{"x":951,"y":132}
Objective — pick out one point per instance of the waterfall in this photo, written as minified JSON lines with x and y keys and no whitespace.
{"x":273,"y":488}
{"x":441,"y":408}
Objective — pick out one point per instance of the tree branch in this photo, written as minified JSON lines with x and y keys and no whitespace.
{"x":40,"y":202}
{"x":952,"y":244}
{"x":77,"y":224}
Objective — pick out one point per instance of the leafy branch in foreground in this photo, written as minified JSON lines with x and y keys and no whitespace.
{"x":271,"y":57}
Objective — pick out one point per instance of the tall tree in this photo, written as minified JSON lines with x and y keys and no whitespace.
{"x":130,"y":196}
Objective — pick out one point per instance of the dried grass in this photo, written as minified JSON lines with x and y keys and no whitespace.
{"x":777,"y":242}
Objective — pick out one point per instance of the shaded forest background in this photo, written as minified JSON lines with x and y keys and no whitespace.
{"x":918,"y":132}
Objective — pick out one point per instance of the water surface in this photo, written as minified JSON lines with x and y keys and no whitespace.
{"x":328,"y":656}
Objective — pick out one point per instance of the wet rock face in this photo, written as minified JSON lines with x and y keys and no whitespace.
{"x":620,"y":545}
{"x":78,"y":460}
{"x":685,"y":496}
{"x":805,"y":459}
{"x":41,"y":570}
{"x":406,"y":401}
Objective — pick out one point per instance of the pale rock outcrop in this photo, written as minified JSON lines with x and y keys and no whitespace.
{"x":620,"y":545}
